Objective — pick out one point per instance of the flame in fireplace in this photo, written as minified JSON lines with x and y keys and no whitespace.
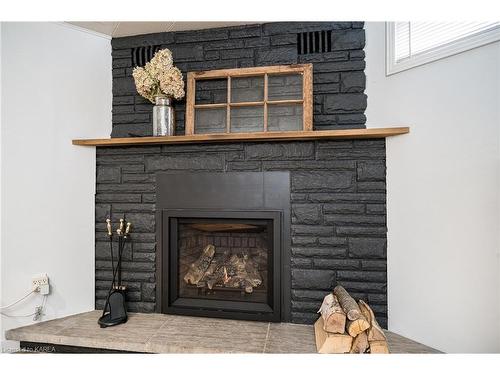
{"x":226,"y":277}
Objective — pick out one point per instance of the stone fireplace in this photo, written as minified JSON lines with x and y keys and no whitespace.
{"x":336,"y":188}
{"x":337,"y":221}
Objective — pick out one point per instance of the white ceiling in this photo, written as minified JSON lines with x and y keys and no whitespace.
{"x":119,"y":29}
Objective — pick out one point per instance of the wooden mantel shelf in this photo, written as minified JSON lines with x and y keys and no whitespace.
{"x":246,"y":137}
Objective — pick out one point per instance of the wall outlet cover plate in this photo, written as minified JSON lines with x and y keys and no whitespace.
{"x":41,"y":282}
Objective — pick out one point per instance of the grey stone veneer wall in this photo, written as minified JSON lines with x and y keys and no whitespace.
{"x":338,"y":213}
{"x":339,"y":78}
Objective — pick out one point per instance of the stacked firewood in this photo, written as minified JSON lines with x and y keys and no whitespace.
{"x":348,"y":327}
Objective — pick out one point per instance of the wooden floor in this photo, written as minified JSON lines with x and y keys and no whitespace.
{"x":159,"y":333}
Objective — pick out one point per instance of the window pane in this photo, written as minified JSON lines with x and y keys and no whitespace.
{"x":247,"y":89}
{"x":210,"y":120}
{"x":284,"y":117}
{"x":247,"y":119}
{"x":211,"y":91}
{"x":284,"y":87}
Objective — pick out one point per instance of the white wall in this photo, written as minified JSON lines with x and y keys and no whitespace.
{"x":443,"y":184}
{"x":56,"y":86}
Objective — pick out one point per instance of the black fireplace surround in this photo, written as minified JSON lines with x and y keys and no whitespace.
{"x":238,"y":197}
{"x":336,"y":219}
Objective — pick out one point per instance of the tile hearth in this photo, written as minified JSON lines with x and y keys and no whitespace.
{"x":161,"y":333}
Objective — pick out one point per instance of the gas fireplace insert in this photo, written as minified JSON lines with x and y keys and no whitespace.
{"x":227,"y":261}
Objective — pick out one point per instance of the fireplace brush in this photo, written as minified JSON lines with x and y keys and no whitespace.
{"x":115,"y":310}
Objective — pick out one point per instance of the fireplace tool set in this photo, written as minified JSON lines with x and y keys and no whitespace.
{"x":115,"y":310}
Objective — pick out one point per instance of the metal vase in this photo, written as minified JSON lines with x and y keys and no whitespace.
{"x":163,"y":117}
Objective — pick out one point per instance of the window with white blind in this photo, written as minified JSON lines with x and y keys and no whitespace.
{"x":410,"y":44}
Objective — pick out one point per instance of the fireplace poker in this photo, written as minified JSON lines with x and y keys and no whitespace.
{"x":110,"y":234}
{"x":120,"y":249}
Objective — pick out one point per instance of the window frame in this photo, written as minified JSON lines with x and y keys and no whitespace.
{"x":306,"y":70}
{"x":437,"y":53}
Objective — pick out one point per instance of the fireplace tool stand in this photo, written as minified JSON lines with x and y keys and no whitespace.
{"x":115,"y":309}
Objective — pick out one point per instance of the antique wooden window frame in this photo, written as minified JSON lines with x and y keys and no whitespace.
{"x":307,"y":93}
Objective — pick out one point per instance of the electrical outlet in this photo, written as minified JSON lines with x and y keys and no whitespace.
{"x":38,"y":313}
{"x":41,"y":283}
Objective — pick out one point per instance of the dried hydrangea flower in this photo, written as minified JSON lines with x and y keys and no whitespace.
{"x":159,"y":77}
{"x":143,"y":82}
{"x":161,"y":62}
{"x":172,"y":84}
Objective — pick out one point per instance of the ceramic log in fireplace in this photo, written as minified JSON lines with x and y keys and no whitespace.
{"x":224,"y":241}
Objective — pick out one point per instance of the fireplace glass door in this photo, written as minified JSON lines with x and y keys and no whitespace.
{"x":224,"y":259}
{"x":223,"y":264}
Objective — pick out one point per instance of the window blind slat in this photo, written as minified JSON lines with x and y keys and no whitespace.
{"x":412,"y":38}
{"x":402,"y":40}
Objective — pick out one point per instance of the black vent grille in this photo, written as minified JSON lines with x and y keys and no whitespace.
{"x":142,"y":55}
{"x":314,"y":42}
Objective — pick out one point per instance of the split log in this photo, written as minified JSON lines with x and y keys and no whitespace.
{"x":232,"y":271}
{"x":356,"y":321}
{"x":347,"y":303}
{"x":330,"y":343}
{"x":216,"y":276}
{"x":253,"y":277}
{"x":241,"y":272}
{"x":198,"y":268}
{"x":211,"y":276}
{"x":355,"y":327}
{"x":375,"y":333}
{"x":360,"y":343}
{"x":379,"y":347}
{"x":333,"y":315}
